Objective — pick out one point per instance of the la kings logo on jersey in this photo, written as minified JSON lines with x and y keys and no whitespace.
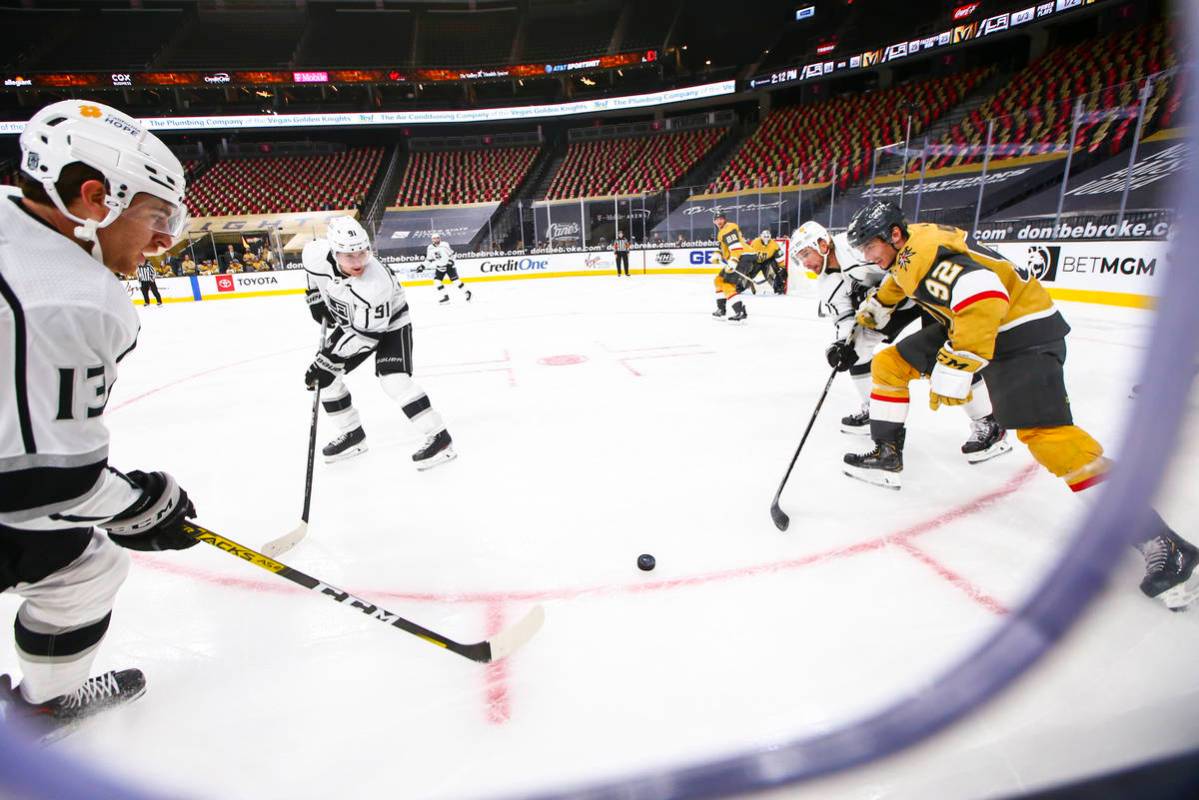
{"x":1041,"y":263}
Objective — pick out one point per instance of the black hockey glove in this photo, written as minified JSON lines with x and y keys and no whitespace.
{"x":317,"y":307}
{"x":154,"y":522}
{"x":841,"y":355}
{"x":323,"y":370}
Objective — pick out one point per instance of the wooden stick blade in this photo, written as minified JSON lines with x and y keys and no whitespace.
{"x":277,"y":547}
{"x":512,"y":639}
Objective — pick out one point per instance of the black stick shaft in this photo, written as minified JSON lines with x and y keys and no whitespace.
{"x":316,"y":408}
{"x":780,"y":518}
{"x":480,"y":651}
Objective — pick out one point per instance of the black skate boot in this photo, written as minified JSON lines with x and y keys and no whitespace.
{"x":721,"y":309}
{"x":739,"y":314}
{"x":468,"y":295}
{"x":445,"y":298}
{"x":1169,"y":563}
{"x":881,"y":466}
{"x":986,"y":441}
{"x":348,"y":445}
{"x":436,"y":449}
{"x":857,"y":424}
{"x":54,"y":719}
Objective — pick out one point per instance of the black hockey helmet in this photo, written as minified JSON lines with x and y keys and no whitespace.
{"x":875,"y":219}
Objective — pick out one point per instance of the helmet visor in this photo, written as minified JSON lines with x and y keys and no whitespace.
{"x":158,"y":215}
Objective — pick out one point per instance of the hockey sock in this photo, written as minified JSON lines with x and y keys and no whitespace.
{"x":1068,"y":452}
{"x":413,"y":400}
{"x":860,"y":374}
{"x":979,"y":404}
{"x":339,"y":407}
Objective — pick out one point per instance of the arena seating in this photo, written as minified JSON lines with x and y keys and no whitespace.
{"x":258,"y":38}
{"x":838,"y":136}
{"x":458,"y":38}
{"x":630,"y":165}
{"x":337,"y":37}
{"x":1035,"y":109}
{"x":549,"y":38}
{"x":447,"y":177}
{"x":273,"y":185}
{"x":89,"y":39}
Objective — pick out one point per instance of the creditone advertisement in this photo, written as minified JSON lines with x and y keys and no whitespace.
{"x":408,"y":230}
{"x":1113,"y":273}
{"x":353,"y":119}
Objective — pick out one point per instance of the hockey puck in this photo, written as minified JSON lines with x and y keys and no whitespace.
{"x":646,"y":562}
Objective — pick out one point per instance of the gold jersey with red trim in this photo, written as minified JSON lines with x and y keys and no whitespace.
{"x":731,"y":242}
{"x":988,"y":307}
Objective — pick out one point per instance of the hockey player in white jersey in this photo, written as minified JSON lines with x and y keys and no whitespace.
{"x":97,"y":190}
{"x":440,"y":258}
{"x":364,"y":306}
{"x":845,"y":280}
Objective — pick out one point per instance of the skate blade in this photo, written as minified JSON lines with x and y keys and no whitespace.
{"x":445,"y":455}
{"x":356,"y":450}
{"x":995,"y":450}
{"x":850,"y":430}
{"x":66,"y":730}
{"x":875,"y":477}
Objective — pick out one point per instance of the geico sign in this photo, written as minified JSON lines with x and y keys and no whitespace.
{"x":514,"y":265}
{"x":1101,"y":265}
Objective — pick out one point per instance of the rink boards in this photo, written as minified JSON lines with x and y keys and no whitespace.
{"x":1110,"y":273}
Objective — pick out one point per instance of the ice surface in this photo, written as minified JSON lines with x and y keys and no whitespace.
{"x":597,"y":419}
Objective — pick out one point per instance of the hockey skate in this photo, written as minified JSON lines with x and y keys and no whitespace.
{"x":739,"y":314}
{"x":881,"y":466}
{"x":436,"y":450}
{"x":721,"y":308}
{"x":445,"y":298}
{"x":987,"y":440}
{"x":1169,"y":567}
{"x":348,"y":445}
{"x":856,"y":424}
{"x":467,"y":295}
{"x":54,"y":719}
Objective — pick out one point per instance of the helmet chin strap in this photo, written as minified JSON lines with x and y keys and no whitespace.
{"x":88,"y":229}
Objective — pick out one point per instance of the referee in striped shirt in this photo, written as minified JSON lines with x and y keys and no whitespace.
{"x":145,"y":274}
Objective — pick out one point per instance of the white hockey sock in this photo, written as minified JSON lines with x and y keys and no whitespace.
{"x":862,"y":383}
{"x":339,"y":407}
{"x":979,"y":405}
{"x":414,"y":401}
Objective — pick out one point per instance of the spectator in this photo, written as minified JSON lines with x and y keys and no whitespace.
{"x":188,"y":266}
{"x":681,"y":241}
{"x":228,"y":258}
{"x":621,"y":247}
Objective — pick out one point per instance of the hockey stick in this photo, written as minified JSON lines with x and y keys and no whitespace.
{"x":277,"y":547}
{"x":499,"y":646}
{"x":781,"y":520}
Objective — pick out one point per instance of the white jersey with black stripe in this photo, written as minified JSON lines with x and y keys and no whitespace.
{"x":439,"y":256}
{"x":65,"y":323}
{"x":364,"y":307}
{"x":839,"y":293}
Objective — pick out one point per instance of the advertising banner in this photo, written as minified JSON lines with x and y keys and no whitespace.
{"x":410,"y":230}
{"x":1118,"y":273}
{"x":303,"y":221}
{"x":779,"y":210}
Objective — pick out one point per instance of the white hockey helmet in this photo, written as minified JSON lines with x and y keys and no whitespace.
{"x":346,"y":235}
{"x":436,"y":238}
{"x":809,"y":234}
{"x":765,"y":235}
{"x":131,"y":159}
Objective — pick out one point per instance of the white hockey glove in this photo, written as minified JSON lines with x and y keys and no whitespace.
{"x":953,"y":376}
{"x":872,"y":314}
{"x":730,"y":265}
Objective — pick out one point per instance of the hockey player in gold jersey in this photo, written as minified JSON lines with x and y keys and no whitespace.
{"x":992,"y":319}
{"x":737,"y":261}
{"x":767,"y":254}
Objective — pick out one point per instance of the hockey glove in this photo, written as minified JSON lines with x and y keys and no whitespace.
{"x":952,"y":377}
{"x":872,"y":314}
{"x":323,"y":370}
{"x":317,"y":307}
{"x":421,"y":268}
{"x":154,"y":522}
{"x":841,"y":355}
